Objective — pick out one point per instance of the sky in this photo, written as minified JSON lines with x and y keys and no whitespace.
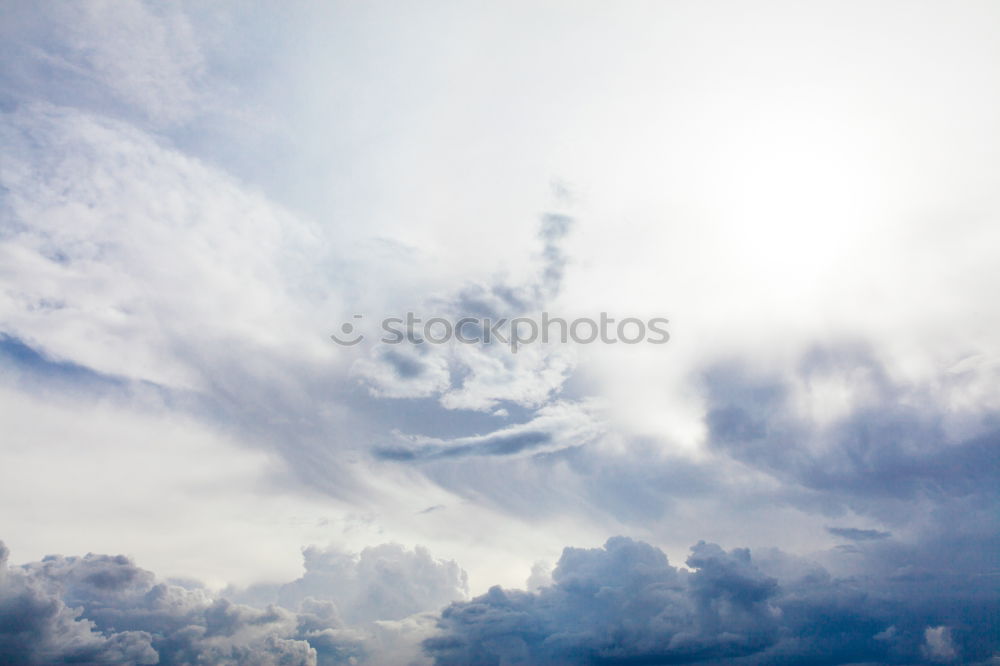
{"x":194,"y":197}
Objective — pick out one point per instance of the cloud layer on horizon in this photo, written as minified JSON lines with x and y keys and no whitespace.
{"x":101,"y":609}
{"x":620,"y":604}
{"x":625,"y":604}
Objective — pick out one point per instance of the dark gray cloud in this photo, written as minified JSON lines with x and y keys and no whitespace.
{"x":884,"y":601}
{"x":38,"y":627}
{"x":625,"y":604}
{"x":856,"y":534}
{"x":893,"y":463}
{"x":101,"y":609}
{"x":893,"y":448}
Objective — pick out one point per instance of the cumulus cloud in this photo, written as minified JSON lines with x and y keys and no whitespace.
{"x":621,"y":603}
{"x":937,"y":644}
{"x":385,"y":582}
{"x":100,"y":609}
{"x":625,"y":604}
{"x":37,"y":627}
{"x":613,"y":604}
{"x":117,"y":607}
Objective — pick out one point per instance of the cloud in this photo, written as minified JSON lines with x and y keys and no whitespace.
{"x":151,"y":253}
{"x":74,"y":52}
{"x":410,"y":372}
{"x":541,"y":576}
{"x":625,"y":604}
{"x":124,"y":255}
{"x":346,"y":608}
{"x":856,"y":534}
{"x":385,"y":582}
{"x":137,"y":265}
{"x":498,"y":444}
{"x":937,"y":644}
{"x":177,"y":624}
{"x":480,"y":376}
{"x":621,"y":603}
{"x":897,"y":443}
{"x":129,"y":266}
{"x":555,"y":427}
{"x":37,"y":627}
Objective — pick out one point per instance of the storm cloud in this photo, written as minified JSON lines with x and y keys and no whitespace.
{"x":625,"y":604}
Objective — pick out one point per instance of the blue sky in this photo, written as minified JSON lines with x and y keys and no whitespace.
{"x":194,"y":198}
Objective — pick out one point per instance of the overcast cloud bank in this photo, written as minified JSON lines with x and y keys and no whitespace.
{"x":625,"y":604}
{"x":620,"y":604}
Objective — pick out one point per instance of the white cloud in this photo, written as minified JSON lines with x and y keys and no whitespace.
{"x":132,"y":259}
{"x":144,"y":57}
